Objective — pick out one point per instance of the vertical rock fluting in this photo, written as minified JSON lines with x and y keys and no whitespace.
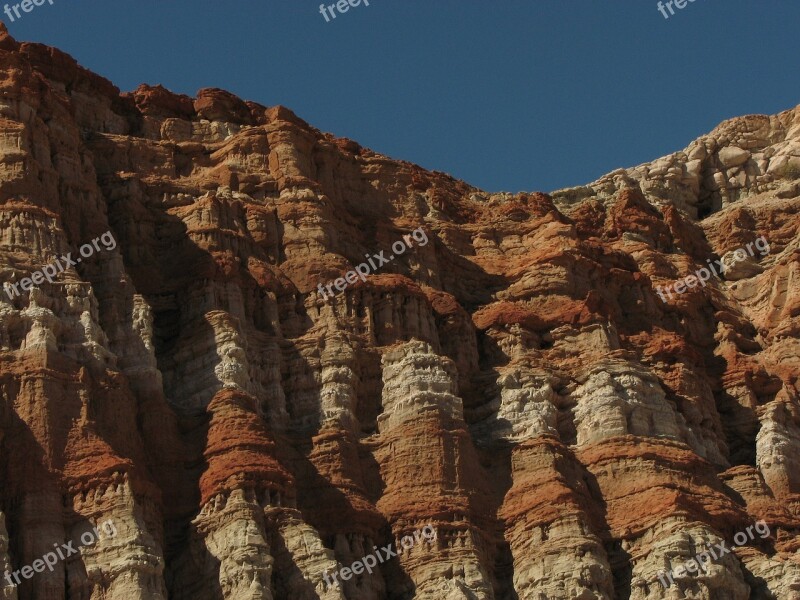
{"x":242,"y":480}
{"x":435,"y":479}
{"x":518,"y":378}
{"x":553,"y":534}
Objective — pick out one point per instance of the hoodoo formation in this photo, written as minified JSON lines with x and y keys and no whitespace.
{"x":516,"y":383}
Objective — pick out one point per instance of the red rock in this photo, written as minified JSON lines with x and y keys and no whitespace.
{"x":516,"y":382}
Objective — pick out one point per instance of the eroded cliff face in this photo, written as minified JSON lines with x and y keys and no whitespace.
{"x":516,"y":382}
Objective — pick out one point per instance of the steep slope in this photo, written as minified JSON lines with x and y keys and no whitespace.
{"x":513,"y":378}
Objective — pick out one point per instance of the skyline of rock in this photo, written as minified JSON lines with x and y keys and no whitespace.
{"x":516,"y":382}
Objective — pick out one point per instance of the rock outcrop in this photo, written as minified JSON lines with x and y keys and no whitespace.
{"x":515,"y":380}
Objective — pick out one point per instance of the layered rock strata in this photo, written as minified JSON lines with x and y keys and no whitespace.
{"x":516,"y":383}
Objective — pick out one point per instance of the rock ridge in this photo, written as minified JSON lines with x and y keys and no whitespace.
{"x":516,"y":383}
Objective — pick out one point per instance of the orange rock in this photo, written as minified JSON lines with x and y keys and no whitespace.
{"x":516,"y":383}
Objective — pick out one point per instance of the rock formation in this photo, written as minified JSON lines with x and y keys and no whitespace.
{"x":515,"y":382}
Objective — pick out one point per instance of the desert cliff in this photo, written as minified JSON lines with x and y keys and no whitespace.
{"x":516,"y":382}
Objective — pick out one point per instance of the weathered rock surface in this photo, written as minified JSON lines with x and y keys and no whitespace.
{"x":514,"y":380}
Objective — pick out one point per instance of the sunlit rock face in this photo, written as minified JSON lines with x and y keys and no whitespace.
{"x":513,"y":379}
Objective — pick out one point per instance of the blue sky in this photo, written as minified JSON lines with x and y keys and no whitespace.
{"x":504,"y":94}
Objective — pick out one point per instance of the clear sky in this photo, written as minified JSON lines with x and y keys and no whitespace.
{"x":504,"y":94}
